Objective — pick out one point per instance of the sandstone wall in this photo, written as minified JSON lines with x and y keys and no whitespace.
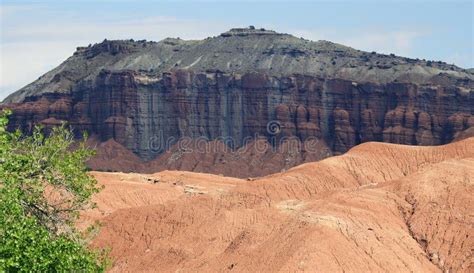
{"x":145,"y":112}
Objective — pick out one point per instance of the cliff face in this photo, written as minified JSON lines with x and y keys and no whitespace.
{"x":148,"y":110}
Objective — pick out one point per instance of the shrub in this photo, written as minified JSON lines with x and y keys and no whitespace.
{"x":43,"y":186}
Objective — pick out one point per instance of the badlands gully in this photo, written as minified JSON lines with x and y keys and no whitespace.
{"x":377,"y":208}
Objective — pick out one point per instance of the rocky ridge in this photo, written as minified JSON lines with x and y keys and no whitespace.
{"x":147,"y":95}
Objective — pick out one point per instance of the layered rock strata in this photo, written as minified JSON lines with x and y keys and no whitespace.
{"x":248,"y":84}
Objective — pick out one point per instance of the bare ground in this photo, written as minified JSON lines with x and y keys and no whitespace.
{"x":378,"y":208}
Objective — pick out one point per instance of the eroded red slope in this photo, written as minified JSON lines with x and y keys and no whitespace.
{"x":378,"y":208}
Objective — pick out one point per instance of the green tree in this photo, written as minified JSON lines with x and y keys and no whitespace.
{"x":43,"y":187}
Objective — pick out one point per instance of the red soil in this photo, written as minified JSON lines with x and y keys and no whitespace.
{"x":378,"y":208}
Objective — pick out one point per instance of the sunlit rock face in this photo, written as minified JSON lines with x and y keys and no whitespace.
{"x":147,"y":95}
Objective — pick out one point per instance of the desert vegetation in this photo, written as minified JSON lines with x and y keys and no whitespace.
{"x":43,"y":187}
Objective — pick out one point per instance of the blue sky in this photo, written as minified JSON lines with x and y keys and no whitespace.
{"x":36,"y":36}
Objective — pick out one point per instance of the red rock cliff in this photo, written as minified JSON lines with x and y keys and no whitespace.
{"x":145,"y":96}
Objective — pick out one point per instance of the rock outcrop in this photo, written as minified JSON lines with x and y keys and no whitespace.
{"x":243,"y":85}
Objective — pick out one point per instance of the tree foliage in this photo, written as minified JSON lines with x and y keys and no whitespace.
{"x":43,"y":187}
